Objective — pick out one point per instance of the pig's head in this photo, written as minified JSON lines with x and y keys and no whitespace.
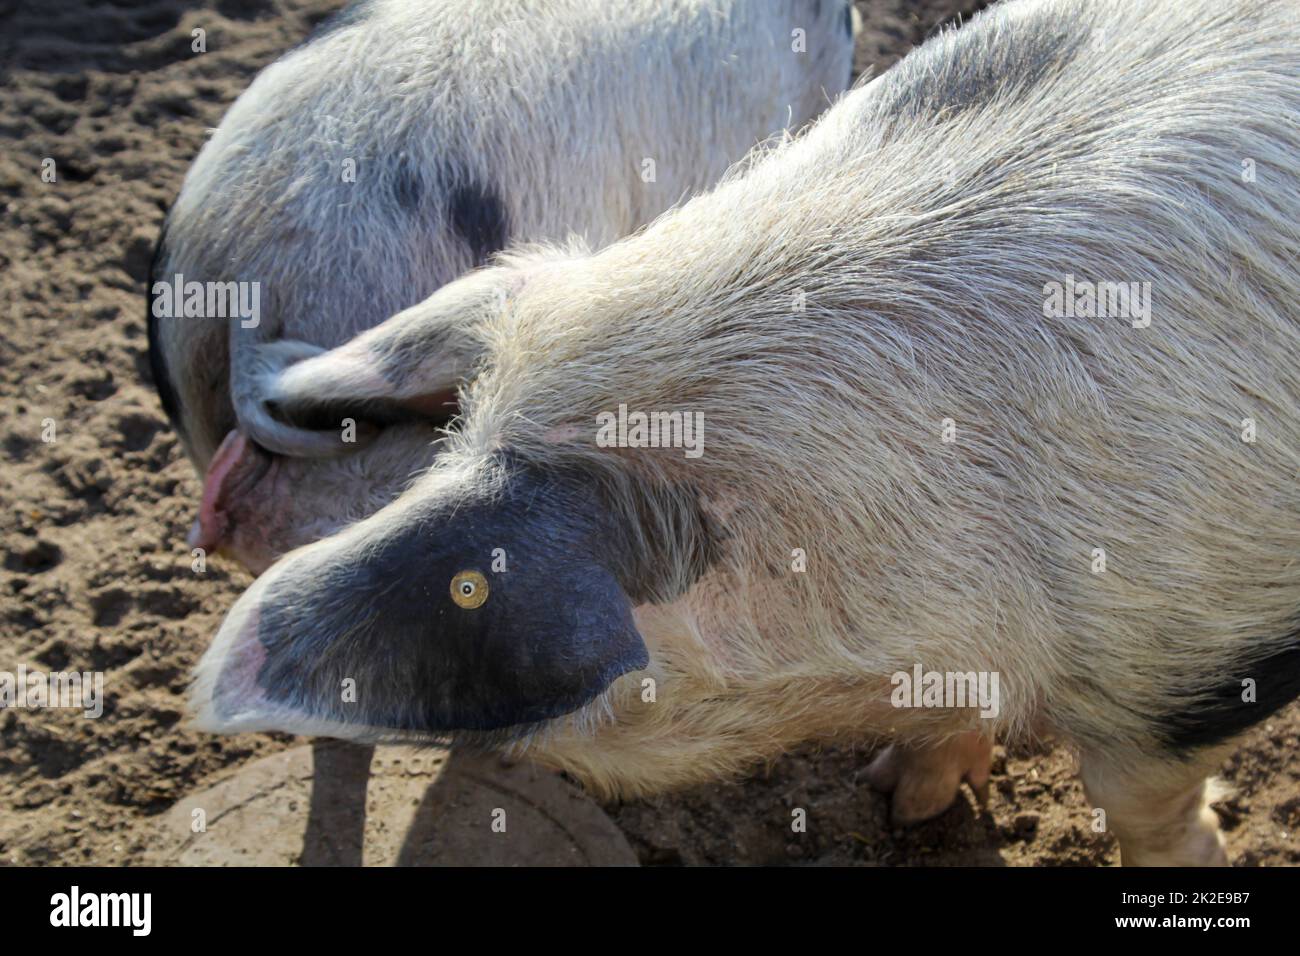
{"x":327,"y":438}
{"x":492,"y":598}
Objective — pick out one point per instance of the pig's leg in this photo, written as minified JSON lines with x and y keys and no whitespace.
{"x":1161,"y":814}
{"x":925,"y":780}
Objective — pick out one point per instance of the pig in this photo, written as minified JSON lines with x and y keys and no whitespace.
{"x":405,"y":144}
{"x":993,"y":373}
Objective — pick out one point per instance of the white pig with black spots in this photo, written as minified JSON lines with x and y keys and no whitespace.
{"x":403,"y":145}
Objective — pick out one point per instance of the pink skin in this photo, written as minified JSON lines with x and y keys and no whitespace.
{"x":240,"y":478}
{"x":924,"y":781}
{"x":258,"y":506}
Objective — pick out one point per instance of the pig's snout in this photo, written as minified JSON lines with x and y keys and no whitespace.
{"x":240,"y":510}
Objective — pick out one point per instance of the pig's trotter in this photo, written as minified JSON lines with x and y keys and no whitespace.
{"x":1161,"y":816}
{"x":925,"y":780}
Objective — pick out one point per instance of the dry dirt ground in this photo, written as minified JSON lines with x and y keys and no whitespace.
{"x":94,"y":574}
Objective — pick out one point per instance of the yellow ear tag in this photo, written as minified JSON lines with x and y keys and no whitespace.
{"x":469,"y":589}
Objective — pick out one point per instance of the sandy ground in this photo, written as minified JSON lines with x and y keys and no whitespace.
{"x":94,"y":574}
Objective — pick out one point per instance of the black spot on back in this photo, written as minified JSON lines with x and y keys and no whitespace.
{"x":353,"y":14}
{"x":477,"y":213}
{"x":158,"y":369}
{"x":1222,"y":714}
{"x":349,"y":16}
{"x":978,"y":63}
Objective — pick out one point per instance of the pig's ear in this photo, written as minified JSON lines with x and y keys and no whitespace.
{"x":401,"y":625}
{"x":294,"y":398}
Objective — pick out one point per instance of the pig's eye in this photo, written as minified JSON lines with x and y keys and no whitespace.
{"x":469,"y":589}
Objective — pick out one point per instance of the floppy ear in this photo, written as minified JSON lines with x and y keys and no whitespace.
{"x":406,"y":612}
{"x":292,"y":397}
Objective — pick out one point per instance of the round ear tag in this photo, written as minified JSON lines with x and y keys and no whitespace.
{"x":469,"y":589}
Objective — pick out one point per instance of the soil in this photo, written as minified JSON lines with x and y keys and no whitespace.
{"x":94,"y":572}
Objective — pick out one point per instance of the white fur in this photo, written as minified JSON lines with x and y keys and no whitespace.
{"x":923,"y":238}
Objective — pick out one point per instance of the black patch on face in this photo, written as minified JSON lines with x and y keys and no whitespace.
{"x":555,"y":631}
{"x":848,"y":20}
{"x":1222,"y":714}
{"x":477,"y":213}
{"x":158,"y":369}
